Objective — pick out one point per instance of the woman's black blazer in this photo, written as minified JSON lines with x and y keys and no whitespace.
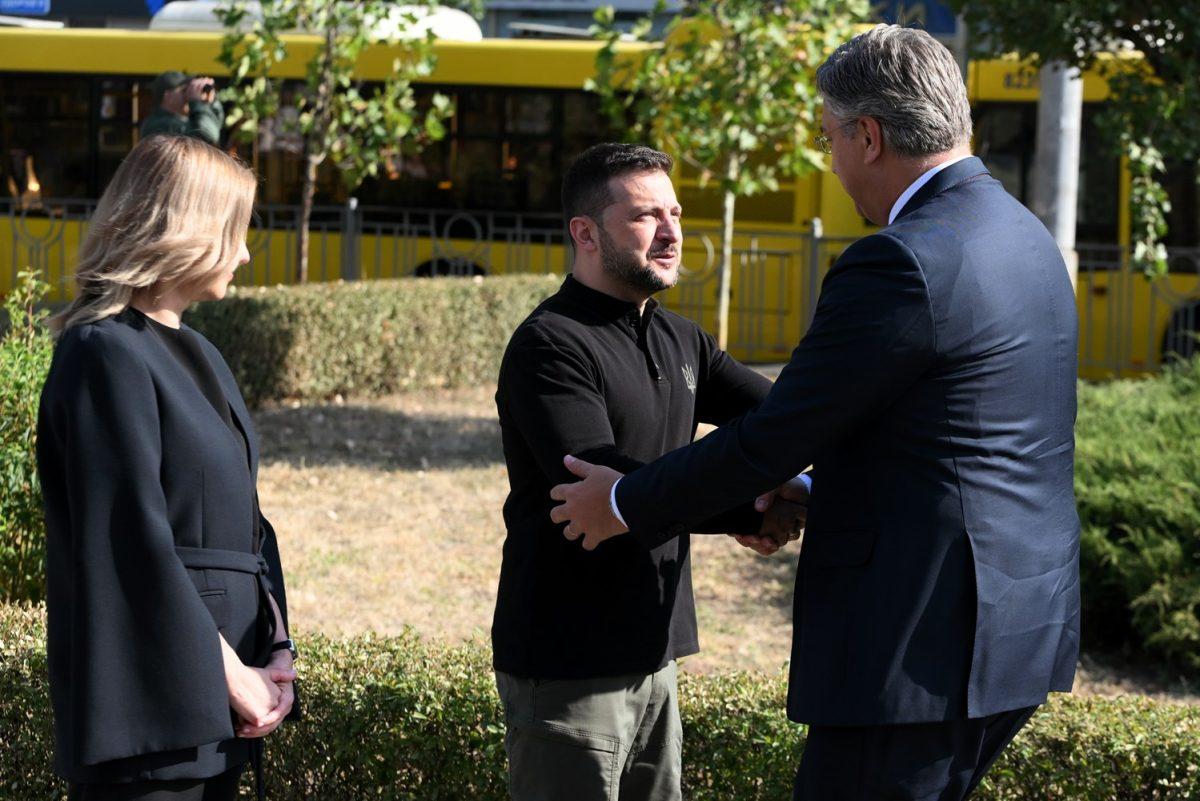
{"x":154,"y":544}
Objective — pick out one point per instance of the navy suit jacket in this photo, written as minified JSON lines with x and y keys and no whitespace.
{"x":934,"y":396}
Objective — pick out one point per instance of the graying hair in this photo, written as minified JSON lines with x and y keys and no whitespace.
{"x":907,"y":81}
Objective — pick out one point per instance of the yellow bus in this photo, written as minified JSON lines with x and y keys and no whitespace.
{"x":485,"y":200}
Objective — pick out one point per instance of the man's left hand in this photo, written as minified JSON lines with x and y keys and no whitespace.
{"x":585,"y":508}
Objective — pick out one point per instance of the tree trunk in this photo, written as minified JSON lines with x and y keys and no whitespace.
{"x":306,"y":206}
{"x":726,"y":278}
{"x":315,"y":147}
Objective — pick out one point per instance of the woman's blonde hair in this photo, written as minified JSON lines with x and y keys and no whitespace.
{"x":176,"y":209}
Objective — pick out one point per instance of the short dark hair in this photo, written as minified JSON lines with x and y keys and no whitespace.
{"x":585,"y":186}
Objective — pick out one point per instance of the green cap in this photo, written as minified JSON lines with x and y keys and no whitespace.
{"x":171,"y":79}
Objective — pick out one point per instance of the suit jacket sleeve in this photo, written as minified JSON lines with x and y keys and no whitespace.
{"x":145,"y":671}
{"x":557,"y":403}
{"x":871,"y":336}
{"x":727,"y":390}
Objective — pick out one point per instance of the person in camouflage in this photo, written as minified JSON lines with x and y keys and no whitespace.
{"x":187,"y":106}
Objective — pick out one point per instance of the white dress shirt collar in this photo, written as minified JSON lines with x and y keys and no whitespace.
{"x":916,"y":185}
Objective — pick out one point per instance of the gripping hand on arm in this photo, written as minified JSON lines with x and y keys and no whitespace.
{"x":586,"y":507}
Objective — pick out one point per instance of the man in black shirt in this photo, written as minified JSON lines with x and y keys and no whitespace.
{"x":599,"y":370}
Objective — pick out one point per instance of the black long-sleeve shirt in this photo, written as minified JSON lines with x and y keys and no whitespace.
{"x":587,"y":374}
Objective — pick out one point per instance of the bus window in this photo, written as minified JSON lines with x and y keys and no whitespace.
{"x":1098,"y":210}
{"x":44,"y":126}
{"x":583,"y":125}
{"x":119,"y":103}
{"x":477,"y":180}
{"x":529,"y":165}
{"x":478,"y":112}
{"x":505,"y":150}
{"x":530,"y":113}
{"x":1006,"y":137}
{"x":1184,"y":217}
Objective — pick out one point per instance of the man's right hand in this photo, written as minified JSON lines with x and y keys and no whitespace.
{"x":783,"y":522}
{"x":785,"y":511}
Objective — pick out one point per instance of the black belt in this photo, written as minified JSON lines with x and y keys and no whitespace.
{"x":216,"y":559}
{"x":240,"y":562}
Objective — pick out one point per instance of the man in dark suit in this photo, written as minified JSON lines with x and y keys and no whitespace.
{"x":937,"y":596}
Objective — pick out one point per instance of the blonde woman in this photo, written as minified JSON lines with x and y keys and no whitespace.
{"x":167,"y":637}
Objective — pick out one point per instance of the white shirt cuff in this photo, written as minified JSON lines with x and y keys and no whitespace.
{"x":612,"y":503}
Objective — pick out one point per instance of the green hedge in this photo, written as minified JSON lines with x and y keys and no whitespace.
{"x":1137,"y":481}
{"x":25,"y":351}
{"x":368,"y":338}
{"x":398,"y":718}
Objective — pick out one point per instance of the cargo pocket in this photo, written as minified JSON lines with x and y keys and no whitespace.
{"x":547,"y":761}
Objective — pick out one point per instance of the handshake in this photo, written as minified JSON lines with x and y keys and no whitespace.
{"x":785,"y":511}
{"x":588,"y":509}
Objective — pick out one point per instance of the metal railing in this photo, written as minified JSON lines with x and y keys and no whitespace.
{"x":1121,"y":313}
{"x":776,"y":276}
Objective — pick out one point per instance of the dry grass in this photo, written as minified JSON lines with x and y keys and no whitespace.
{"x":389,"y":516}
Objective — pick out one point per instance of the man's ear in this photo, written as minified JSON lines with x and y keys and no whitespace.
{"x":872,"y":133}
{"x":583,"y":233}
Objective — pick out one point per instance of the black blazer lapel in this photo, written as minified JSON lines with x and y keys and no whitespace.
{"x":237,"y":405}
{"x":241,"y":414}
{"x":953,"y":175}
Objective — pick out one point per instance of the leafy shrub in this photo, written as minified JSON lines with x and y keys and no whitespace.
{"x":399,"y":718}
{"x":1137,"y":479}
{"x":368,"y":338}
{"x":25,"y":350}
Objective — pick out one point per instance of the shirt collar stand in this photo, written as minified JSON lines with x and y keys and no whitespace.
{"x":606,"y":305}
{"x":916,"y":185}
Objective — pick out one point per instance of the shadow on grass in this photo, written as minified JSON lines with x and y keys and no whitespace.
{"x":376,"y":438}
{"x":774,"y":576}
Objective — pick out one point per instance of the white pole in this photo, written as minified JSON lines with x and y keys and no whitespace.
{"x":1056,"y":165}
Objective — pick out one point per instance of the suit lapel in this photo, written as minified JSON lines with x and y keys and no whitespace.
{"x":951,"y":176}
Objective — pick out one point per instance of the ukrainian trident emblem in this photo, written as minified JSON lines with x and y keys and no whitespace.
{"x":689,"y":378}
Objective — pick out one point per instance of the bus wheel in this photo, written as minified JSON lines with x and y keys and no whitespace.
{"x":435,"y":268}
{"x":1182,"y":338}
